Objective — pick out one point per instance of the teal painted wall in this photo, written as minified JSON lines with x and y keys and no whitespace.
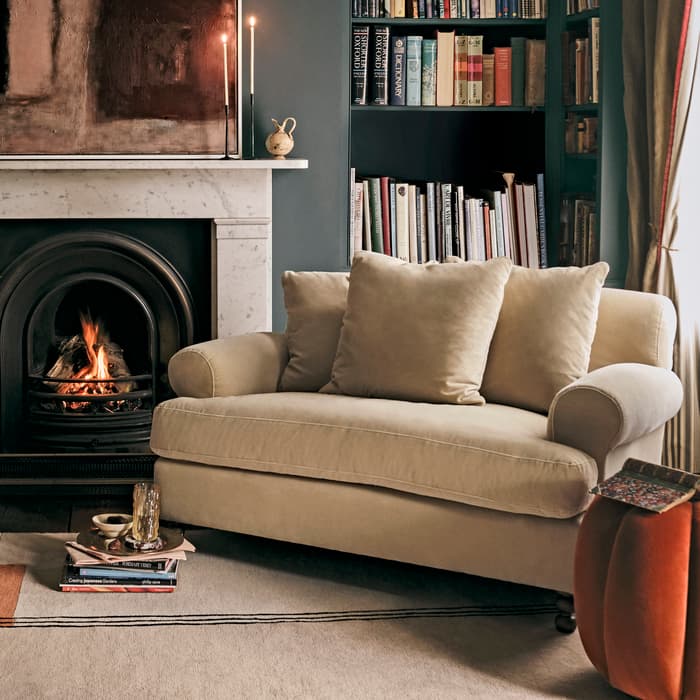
{"x":302,"y":70}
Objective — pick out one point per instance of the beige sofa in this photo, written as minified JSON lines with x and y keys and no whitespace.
{"x":490,"y":490}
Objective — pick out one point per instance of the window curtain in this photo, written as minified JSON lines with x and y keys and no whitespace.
{"x":662,"y":108}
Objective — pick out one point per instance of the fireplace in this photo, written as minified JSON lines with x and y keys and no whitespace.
{"x":109,"y":238}
{"x":90,"y":320}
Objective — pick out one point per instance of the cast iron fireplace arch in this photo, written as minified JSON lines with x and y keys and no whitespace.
{"x":131,"y":276}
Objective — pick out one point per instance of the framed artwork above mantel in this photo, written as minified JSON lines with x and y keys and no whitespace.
{"x":132,"y":78}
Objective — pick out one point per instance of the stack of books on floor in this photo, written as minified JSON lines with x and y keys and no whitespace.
{"x":90,"y":571}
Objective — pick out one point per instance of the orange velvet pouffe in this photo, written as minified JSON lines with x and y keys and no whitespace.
{"x":637,"y":597}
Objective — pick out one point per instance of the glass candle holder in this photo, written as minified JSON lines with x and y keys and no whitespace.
{"x":146,"y":512}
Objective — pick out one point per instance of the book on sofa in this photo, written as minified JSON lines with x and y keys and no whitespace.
{"x":649,"y":486}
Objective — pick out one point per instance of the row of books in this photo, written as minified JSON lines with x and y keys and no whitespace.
{"x":578,"y":242}
{"x":450,"y":70}
{"x":573,"y":7}
{"x":419,"y":222}
{"x":580,"y":133}
{"x":580,"y":56}
{"x":451,"y":9}
{"x":87,"y":570}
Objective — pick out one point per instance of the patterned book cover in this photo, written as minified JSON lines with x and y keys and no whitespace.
{"x":649,"y":486}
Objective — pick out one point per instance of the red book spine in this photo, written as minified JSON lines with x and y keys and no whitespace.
{"x":487,"y":230}
{"x":386,"y":214}
{"x":502,"y":75}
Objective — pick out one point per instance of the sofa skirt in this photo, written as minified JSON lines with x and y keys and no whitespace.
{"x":372,"y":521}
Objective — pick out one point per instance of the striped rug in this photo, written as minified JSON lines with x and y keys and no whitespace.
{"x":255,"y":618}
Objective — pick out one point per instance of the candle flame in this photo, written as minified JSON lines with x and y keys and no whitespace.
{"x":224,"y":38}
{"x":251,"y":21}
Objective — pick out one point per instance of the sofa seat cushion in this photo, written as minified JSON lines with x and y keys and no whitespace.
{"x":492,"y":456}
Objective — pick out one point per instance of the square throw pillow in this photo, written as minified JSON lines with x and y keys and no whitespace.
{"x":417,"y":332}
{"x":315,"y":303}
{"x":544,"y":334}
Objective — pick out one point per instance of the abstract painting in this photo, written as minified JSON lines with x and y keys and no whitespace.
{"x":99,"y":77}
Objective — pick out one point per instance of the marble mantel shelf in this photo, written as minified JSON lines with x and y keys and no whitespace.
{"x":235,"y":195}
{"x":147,"y":163}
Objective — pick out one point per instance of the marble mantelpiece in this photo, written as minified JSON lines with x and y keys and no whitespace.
{"x":235,"y":195}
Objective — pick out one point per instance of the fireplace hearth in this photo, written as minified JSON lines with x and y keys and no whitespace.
{"x":97,"y":314}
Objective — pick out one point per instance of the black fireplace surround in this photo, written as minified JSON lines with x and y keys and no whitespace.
{"x":135,"y":294}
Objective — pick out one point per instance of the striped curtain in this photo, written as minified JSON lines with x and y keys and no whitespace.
{"x":661,"y":57}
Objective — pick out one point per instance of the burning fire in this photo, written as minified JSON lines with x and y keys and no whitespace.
{"x":96,"y":372}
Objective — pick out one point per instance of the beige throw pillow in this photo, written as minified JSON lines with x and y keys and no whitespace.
{"x":315,"y":303}
{"x":417,"y":332}
{"x":544,"y":334}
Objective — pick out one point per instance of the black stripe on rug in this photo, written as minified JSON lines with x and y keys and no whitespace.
{"x":273,"y":618}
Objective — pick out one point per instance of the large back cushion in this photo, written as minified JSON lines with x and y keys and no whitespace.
{"x":634,"y":327}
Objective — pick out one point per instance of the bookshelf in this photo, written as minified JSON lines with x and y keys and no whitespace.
{"x":471,"y":145}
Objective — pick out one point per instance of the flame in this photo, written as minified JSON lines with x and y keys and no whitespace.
{"x":97,"y":367}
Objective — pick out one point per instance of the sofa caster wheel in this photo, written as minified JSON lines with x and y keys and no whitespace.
{"x":565,"y":621}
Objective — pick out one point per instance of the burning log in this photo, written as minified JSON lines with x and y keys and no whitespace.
{"x":91,"y":365}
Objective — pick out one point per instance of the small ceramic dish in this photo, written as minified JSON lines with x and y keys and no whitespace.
{"x":112,"y":525}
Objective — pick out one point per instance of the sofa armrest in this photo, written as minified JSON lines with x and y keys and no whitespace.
{"x":612,"y":406}
{"x":242,"y":364}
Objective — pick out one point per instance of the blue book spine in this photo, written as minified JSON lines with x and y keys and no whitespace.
{"x":514,"y":8}
{"x":413,"y":70}
{"x":431,"y":219}
{"x":98,"y":572}
{"x":541,"y":223}
{"x":398,"y":70}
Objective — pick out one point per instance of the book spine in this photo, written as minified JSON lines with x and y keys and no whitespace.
{"x":431,"y":213}
{"x":541,"y":221}
{"x":502,"y":75}
{"x":488,"y":95}
{"x":398,"y":70}
{"x":399,"y":8}
{"x":423,"y":228}
{"x":413,"y":70}
{"x":386,"y":214}
{"x":70,"y":579}
{"x":412,"y":224}
{"x":468,"y":241}
{"x":366,"y":218}
{"x":461,"y":71}
{"x":445,"y":69}
{"x":448,"y":233}
{"x":421,"y":9}
{"x":392,"y":218}
{"x":98,"y":588}
{"x":403,"y":250}
{"x":428,"y":85}
{"x":375,"y":206}
{"x":357,"y":210}
{"x":475,"y":46}
{"x":360,"y":41}
{"x":475,"y":9}
{"x":455,"y":10}
{"x":594,"y":32}
{"x":380,"y":66}
{"x":487,"y":228}
{"x":517,"y":45}
{"x":535,"y":50}
{"x":99,"y":572}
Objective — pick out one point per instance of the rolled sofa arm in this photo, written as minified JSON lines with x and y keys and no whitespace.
{"x":613,"y":406}
{"x":242,"y":364}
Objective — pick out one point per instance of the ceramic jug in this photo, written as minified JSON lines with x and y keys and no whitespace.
{"x":280,"y":142}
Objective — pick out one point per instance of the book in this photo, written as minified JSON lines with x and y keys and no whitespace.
{"x":594,"y":33}
{"x":357,"y":217}
{"x":360,"y":42}
{"x":413,"y":70}
{"x":399,"y":8}
{"x":445,"y":69}
{"x":380,"y":66}
{"x":375,"y":207}
{"x":461,"y":70}
{"x":517,"y":45}
{"x":366,"y":218}
{"x":413,"y":242}
{"x":385,"y":204}
{"x":541,"y":222}
{"x":428,"y":84}
{"x":649,"y":486}
{"x":488,"y":95}
{"x":101,"y":588}
{"x":475,"y":50}
{"x":533,"y":247}
{"x":502,"y":75}
{"x":535,"y":50}
{"x":398,"y":71}
{"x":392,"y":218}
{"x":431,"y":218}
{"x":402,"y":222}
{"x":80,"y":553}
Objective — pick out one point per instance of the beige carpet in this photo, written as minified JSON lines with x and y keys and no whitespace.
{"x":253,"y":618}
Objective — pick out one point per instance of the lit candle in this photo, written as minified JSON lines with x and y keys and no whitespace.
{"x":224,"y":41}
{"x":251,"y":21}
